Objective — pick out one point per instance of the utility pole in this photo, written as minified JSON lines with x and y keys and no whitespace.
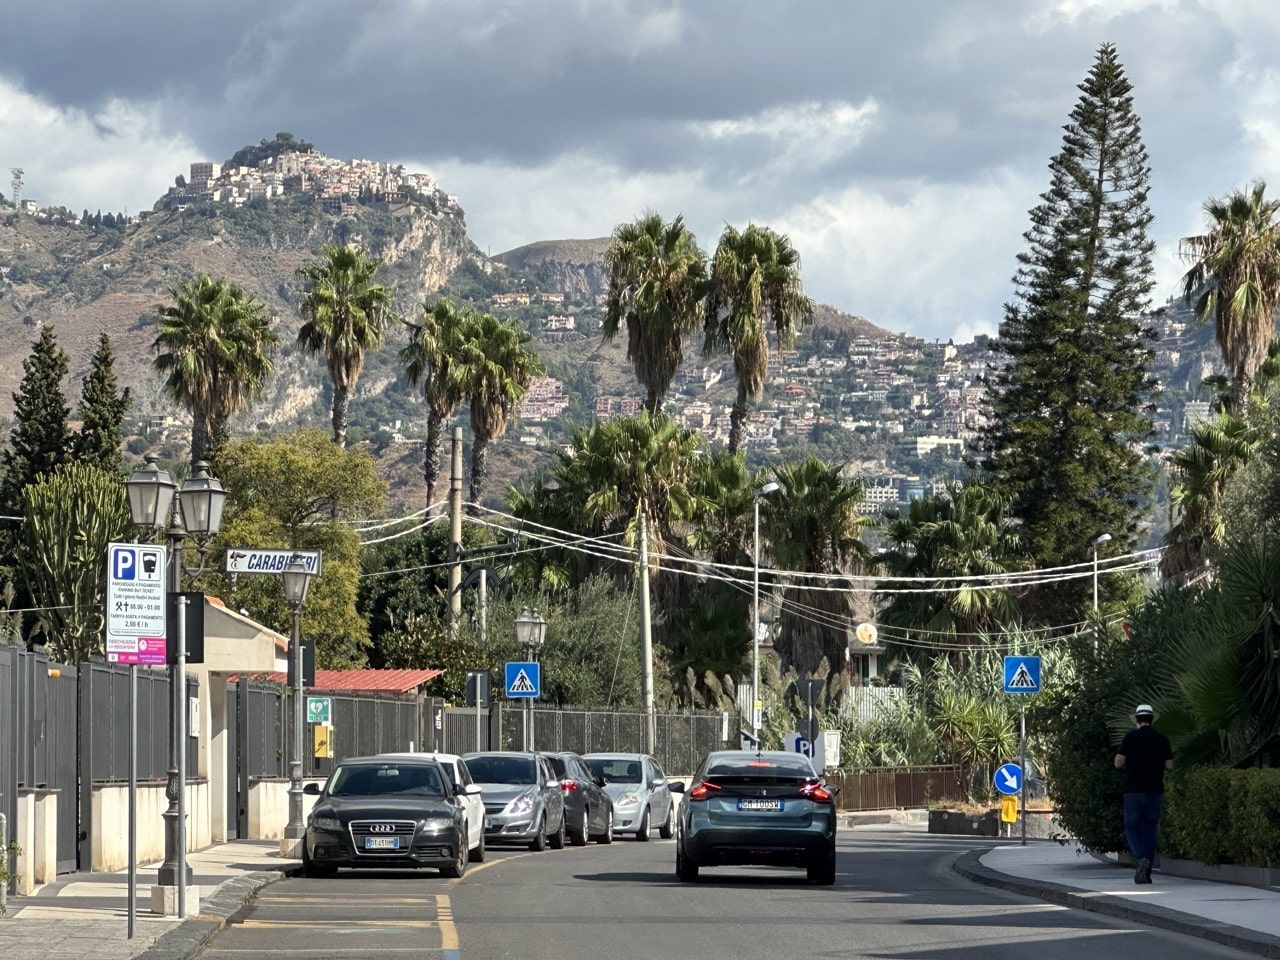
{"x":455,"y":530}
{"x":646,"y":643}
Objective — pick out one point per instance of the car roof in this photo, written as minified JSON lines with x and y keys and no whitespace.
{"x":499,"y":753}
{"x":795,"y":762}
{"x":616,"y":756}
{"x":442,"y":757}
{"x":424,"y":758}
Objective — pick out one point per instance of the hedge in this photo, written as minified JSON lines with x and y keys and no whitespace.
{"x":1221,"y":815}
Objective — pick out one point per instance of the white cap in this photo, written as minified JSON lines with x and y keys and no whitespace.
{"x":1144,"y":710}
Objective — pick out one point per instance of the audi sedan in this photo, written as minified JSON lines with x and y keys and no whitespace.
{"x":766,"y":808}
{"x":385,"y":812}
{"x":523,"y":801}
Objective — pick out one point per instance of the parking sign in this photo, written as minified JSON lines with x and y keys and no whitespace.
{"x":136,"y":603}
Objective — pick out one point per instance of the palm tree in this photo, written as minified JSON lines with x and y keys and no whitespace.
{"x":433,"y":359}
{"x":813,"y":525}
{"x":1235,"y":278}
{"x":215,"y":346}
{"x":345,"y":312}
{"x":755,"y":283}
{"x":657,"y":280}
{"x":495,"y":370}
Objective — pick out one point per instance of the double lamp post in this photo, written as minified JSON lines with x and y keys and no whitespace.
{"x":531,"y":634}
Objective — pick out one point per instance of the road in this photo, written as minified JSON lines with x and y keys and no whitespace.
{"x":896,"y":896}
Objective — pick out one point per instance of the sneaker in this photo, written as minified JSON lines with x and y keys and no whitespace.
{"x":1143,"y":874}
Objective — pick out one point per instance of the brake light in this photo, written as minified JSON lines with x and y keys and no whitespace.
{"x":569,"y":785}
{"x":703,"y":790}
{"x":816,"y":792}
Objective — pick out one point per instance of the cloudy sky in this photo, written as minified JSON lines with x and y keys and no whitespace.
{"x":899,"y":143}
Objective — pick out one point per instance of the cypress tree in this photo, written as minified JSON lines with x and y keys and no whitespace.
{"x":41,"y":439}
{"x":101,"y":411}
{"x":1070,"y":392}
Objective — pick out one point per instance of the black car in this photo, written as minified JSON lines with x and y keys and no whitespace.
{"x":766,"y":807}
{"x":385,"y":812}
{"x":588,"y":810}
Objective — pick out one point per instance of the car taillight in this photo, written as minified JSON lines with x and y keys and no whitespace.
{"x":569,"y":785}
{"x":703,"y":790}
{"x":816,"y":792}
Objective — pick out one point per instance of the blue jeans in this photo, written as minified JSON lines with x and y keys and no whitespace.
{"x":1141,"y":817}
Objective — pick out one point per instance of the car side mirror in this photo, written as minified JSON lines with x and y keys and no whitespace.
{"x":601,"y":782}
{"x":676,"y":786}
{"x":658,"y":782}
{"x":311,"y":789}
{"x":470,"y":789}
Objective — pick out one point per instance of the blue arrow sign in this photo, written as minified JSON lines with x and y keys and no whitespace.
{"x":1008,"y":779}
{"x":1021,"y":674}
{"x":524,"y":680}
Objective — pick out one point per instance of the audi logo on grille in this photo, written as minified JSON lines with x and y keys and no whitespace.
{"x":382,"y":828}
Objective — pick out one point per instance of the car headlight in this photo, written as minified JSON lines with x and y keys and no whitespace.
{"x":522,"y":803}
{"x":435,"y":825}
{"x":629,"y":799}
{"x":326,"y":823}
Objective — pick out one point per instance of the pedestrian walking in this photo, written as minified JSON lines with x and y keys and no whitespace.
{"x":1145,"y":754}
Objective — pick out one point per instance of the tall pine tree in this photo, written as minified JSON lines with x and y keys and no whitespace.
{"x":101,"y":411}
{"x":41,"y":439}
{"x":1070,"y":395}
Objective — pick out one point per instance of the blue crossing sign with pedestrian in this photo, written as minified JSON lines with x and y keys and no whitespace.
{"x":524,"y":679}
{"x":1021,"y":674}
{"x":1008,"y":779}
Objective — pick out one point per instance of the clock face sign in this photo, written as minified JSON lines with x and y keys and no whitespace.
{"x":866,"y":633}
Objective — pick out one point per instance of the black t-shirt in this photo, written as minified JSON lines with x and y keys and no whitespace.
{"x":1145,"y":750}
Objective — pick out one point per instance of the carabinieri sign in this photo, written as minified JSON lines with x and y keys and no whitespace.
{"x":246,"y":560}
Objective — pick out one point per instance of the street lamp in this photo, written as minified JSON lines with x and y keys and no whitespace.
{"x":756,"y":703}
{"x":531,"y":633}
{"x":296,"y":579}
{"x":199,"y":515}
{"x":1097,"y":541}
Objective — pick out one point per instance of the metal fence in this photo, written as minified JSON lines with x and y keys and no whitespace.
{"x":889,"y":788}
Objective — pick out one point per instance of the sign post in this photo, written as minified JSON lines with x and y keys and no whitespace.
{"x":1021,"y":675}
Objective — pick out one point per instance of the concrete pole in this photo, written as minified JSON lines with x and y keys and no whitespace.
{"x":646,"y":643}
{"x":455,"y":530}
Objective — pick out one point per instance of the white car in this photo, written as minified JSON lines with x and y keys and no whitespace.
{"x":469,"y":795}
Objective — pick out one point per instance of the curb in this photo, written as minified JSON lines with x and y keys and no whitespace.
{"x":970,"y":867}
{"x":228,"y":901}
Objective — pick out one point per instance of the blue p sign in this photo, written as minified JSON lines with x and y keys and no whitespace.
{"x":123,"y":566}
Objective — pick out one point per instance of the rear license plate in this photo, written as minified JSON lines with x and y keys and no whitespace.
{"x":750,"y":804}
{"x":382,"y":843}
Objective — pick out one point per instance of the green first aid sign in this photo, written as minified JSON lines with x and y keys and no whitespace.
{"x":319,"y":709}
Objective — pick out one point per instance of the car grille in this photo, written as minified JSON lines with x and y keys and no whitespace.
{"x":404,"y":829}
{"x":494,"y":807}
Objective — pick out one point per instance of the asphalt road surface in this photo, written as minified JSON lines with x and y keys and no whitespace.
{"x":896,"y":896}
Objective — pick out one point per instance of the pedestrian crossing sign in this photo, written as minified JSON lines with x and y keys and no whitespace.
{"x":524,"y":679}
{"x":1021,"y":674}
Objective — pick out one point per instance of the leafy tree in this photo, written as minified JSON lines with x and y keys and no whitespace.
{"x":1235,"y":278}
{"x":101,"y":411}
{"x":498,"y":368}
{"x":40,"y":440}
{"x":755,"y":283}
{"x":295,"y":492}
{"x":657,"y":281}
{"x":283,"y":142}
{"x":345,"y":313}
{"x":1070,"y":393}
{"x":215,"y":347}
{"x":433,"y":359}
{"x":69,"y":518}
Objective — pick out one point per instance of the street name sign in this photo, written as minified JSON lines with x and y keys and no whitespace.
{"x":1021,"y":674}
{"x":252,"y":560}
{"x":524,"y":679}
{"x":136,"y":603}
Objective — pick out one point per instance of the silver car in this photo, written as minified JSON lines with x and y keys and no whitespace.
{"x":640,"y":792}
{"x":523,"y":802}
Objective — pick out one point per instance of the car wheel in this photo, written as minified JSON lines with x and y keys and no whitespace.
{"x":456,"y":869}
{"x":607,"y":836}
{"x":581,"y":833}
{"x":539,"y":843}
{"x":686,"y":869}
{"x":643,"y":832}
{"x":823,"y":870}
{"x":668,"y":828}
{"x":477,"y":855}
{"x":557,"y":839}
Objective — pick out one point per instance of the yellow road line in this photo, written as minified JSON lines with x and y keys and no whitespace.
{"x":312,"y":924}
{"x":444,"y":915}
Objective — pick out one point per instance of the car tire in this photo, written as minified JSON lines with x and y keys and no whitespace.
{"x":582,"y":833}
{"x":539,"y":843}
{"x":557,"y":839}
{"x":477,"y":855}
{"x":686,"y":869}
{"x":642,"y":834}
{"x":607,"y":836}
{"x":823,"y":871}
{"x":455,"y":870}
{"x":668,"y":828}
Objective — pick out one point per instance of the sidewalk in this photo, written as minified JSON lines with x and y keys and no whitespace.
{"x":1246,"y":918}
{"x":85,"y":915}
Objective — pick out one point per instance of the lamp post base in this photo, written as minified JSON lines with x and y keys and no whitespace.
{"x":164,"y":900}
{"x":291,"y":848}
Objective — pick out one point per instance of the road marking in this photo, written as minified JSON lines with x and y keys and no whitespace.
{"x":444,"y":915}
{"x":312,"y":925}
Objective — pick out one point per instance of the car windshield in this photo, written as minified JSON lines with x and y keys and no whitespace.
{"x":386,"y":779}
{"x":759,"y":770}
{"x":617,"y":771}
{"x":517,"y":771}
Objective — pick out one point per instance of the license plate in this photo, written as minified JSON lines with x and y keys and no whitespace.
{"x":382,"y":843}
{"x":749,"y":804}
{"x":488,"y":823}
